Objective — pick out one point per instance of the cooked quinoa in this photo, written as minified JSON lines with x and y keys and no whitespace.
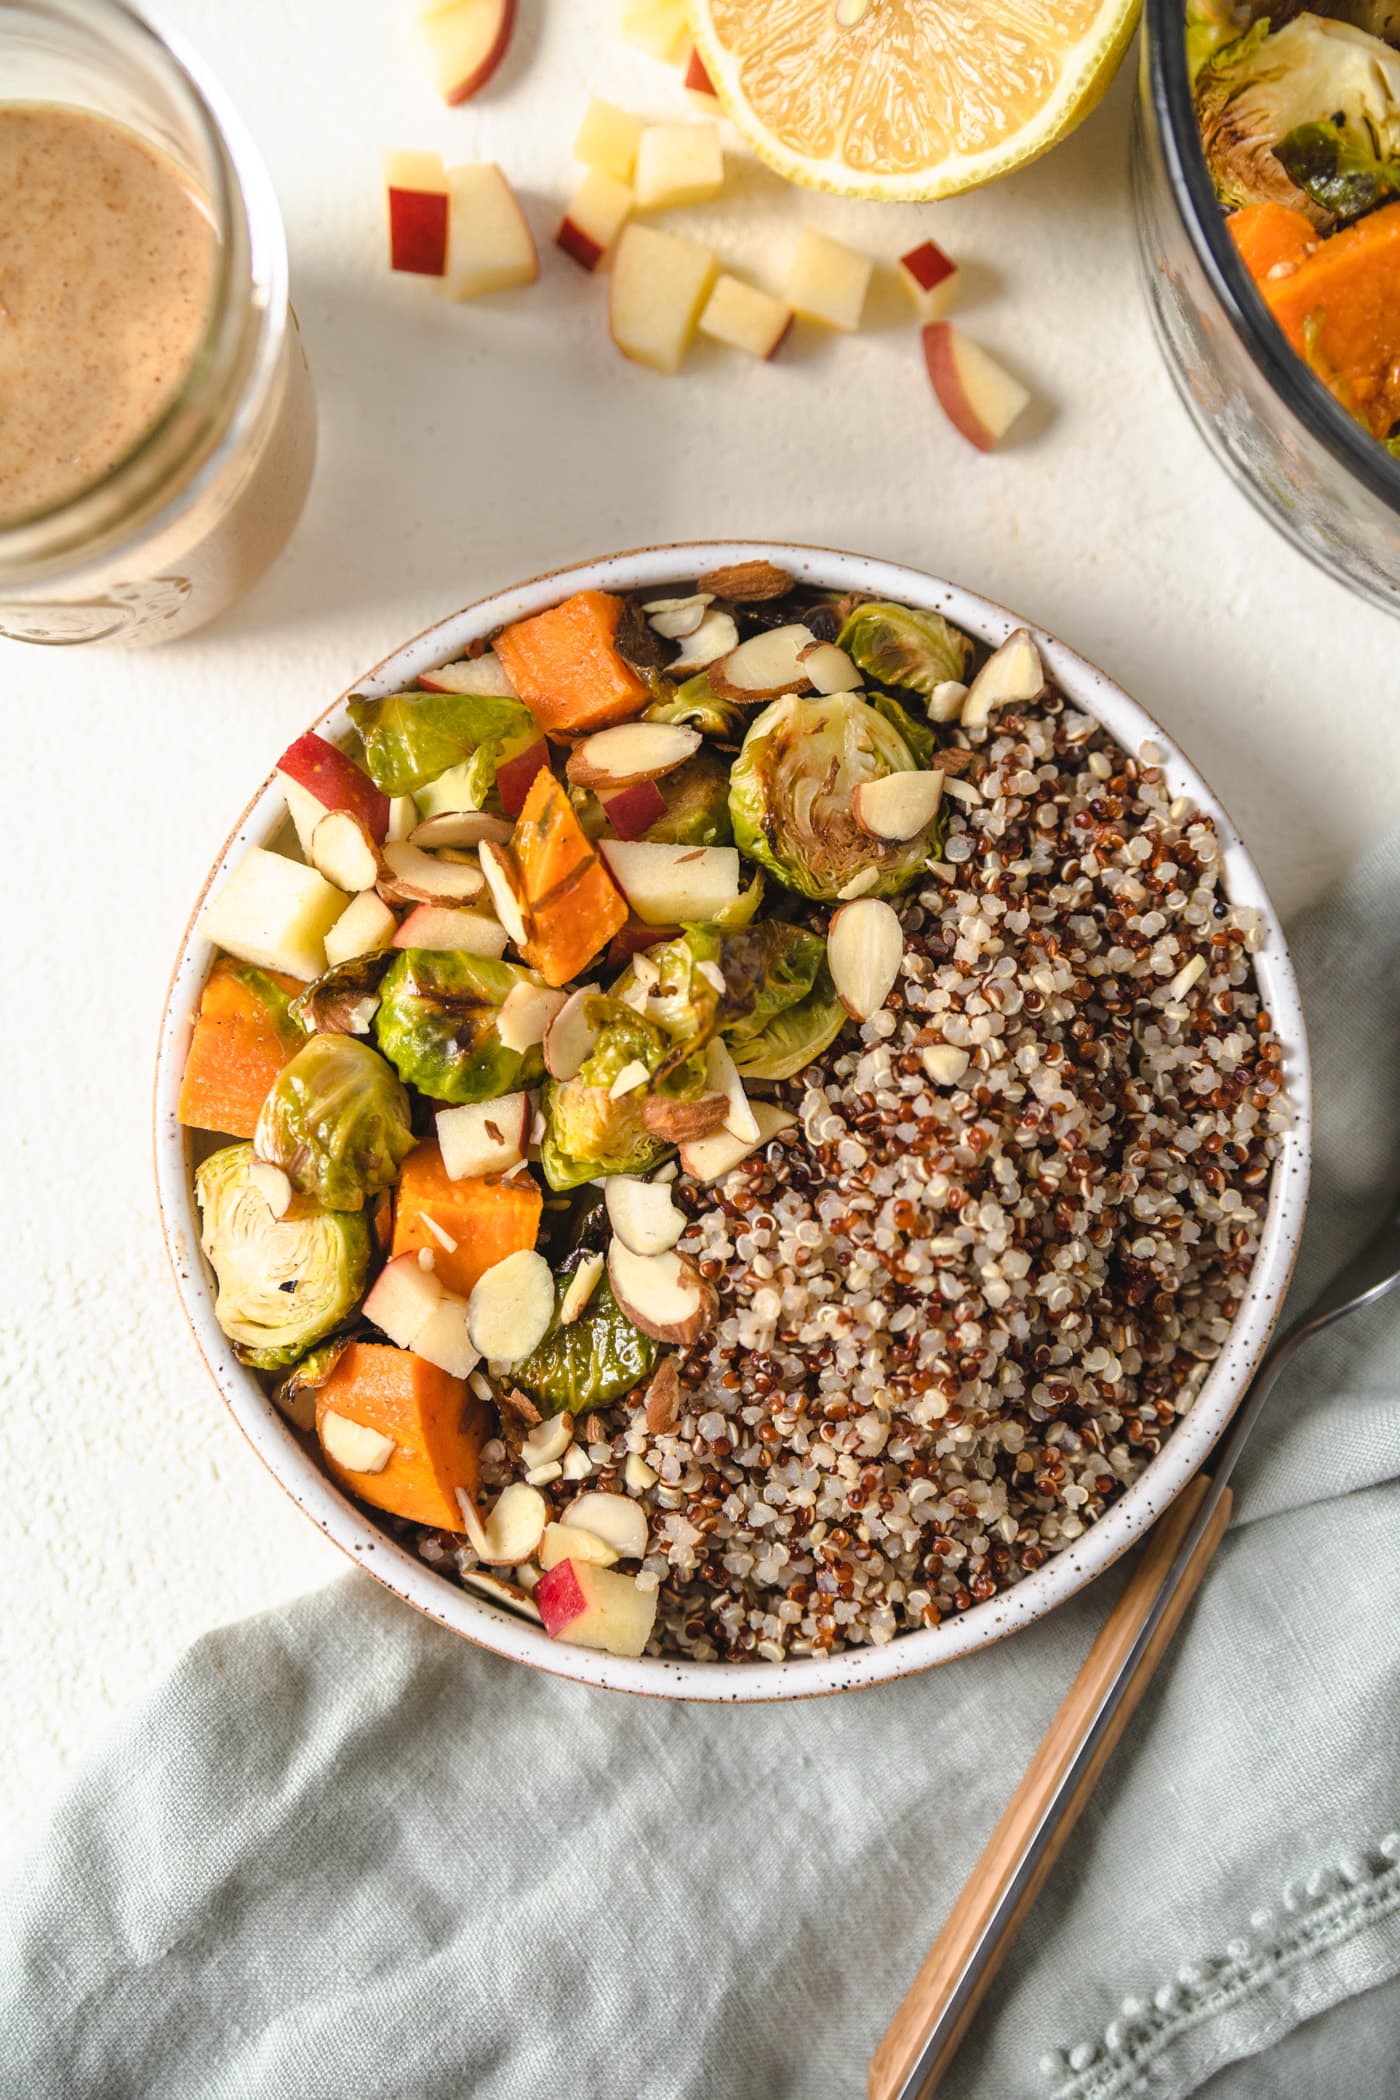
{"x":964,"y":1302}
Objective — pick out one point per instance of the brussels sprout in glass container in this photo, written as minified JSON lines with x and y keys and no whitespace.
{"x":283,"y":1283}
{"x":337,"y":1122}
{"x":790,"y":797}
{"x":437,"y":1025}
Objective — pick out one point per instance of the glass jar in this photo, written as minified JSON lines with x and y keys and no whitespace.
{"x":188,"y":519}
{"x":1300,"y":458}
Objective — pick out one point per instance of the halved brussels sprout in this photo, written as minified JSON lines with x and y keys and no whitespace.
{"x":588,"y":1131}
{"x":917,"y":735}
{"x":344,"y":1000}
{"x":337,"y":1121}
{"x":284,"y":1283}
{"x":790,"y":796}
{"x":899,"y":646}
{"x":697,"y":804}
{"x":436,"y":1024}
{"x":412,"y":738}
{"x":779,"y":1008}
{"x":695,"y":704}
{"x":594,"y":1360}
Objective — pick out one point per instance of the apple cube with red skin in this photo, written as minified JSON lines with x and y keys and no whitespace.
{"x":598,"y":211}
{"x":328,"y":780}
{"x":980,"y":399}
{"x":417,"y":186}
{"x":595,"y":1608}
{"x":744,"y":318}
{"x":698,"y":84}
{"x":403,"y":1300}
{"x":633,"y":810}
{"x":515,"y":776}
{"x":660,"y":283}
{"x":442,"y":926}
{"x":608,"y":138}
{"x":490,"y":247}
{"x":931,"y":279}
{"x":466,"y":42}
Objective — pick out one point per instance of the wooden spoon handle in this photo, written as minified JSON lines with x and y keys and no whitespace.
{"x":895,"y":2059}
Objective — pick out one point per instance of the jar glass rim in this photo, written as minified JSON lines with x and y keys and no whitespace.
{"x":1299,"y":389}
{"x":241,"y":343}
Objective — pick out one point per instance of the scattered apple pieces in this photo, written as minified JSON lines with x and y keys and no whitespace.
{"x":484,"y":1137}
{"x":678,"y":164}
{"x":466,"y":42}
{"x":417,"y":187}
{"x":364,"y":927}
{"x":661,"y":28}
{"x":275,"y":913}
{"x":699,"y":86}
{"x":745,"y":318}
{"x":490,"y":247}
{"x":660,"y":285}
{"x":607,"y":140}
{"x":931,"y":279}
{"x":598,"y":211}
{"x":666,"y":885}
{"x":828,"y":281}
{"x":595,"y":1608}
{"x":980,"y":399}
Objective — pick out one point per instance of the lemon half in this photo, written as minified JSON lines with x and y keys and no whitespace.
{"x":907,"y":99}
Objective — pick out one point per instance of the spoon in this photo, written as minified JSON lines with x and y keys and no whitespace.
{"x":939,"y":2007}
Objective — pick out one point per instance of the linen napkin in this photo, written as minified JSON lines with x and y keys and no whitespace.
{"x":342,"y":1855}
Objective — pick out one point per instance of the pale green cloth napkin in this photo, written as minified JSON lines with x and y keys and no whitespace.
{"x":341,"y":1855}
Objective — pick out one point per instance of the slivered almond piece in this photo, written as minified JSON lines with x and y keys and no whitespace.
{"x":1015,"y":672}
{"x":946,"y":700}
{"x":663,"y":1397}
{"x":505,"y":894}
{"x":663,"y":1294}
{"x":722,"y":1077}
{"x":511,"y":1307}
{"x":864,"y":948}
{"x":711,"y":1158}
{"x":829,"y":668}
{"x":460,"y":827}
{"x":633,"y":1074}
{"x":548,"y":1440}
{"x":354,"y":1445}
{"x":485,"y":675}
{"x":497,"y":1590}
{"x":569,"y":1037}
{"x":858,"y":885}
{"x":616,"y":758}
{"x":616,"y":1519}
{"x":580,"y":1288}
{"x":637,"y":1473}
{"x":642,"y":1214}
{"x":273,"y":1185}
{"x":343,"y":850}
{"x":674,"y":618}
{"x":411,"y":876}
{"x":765,"y":665}
{"x":514,"y":1528}
{"x":714,"y":637}
{"x":747,"y":582}
{"x":898,"y":805}
{"x":565,"y":1542}
{"x":526,"y":1012}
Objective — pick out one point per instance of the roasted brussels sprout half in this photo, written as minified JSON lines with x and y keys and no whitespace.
{"x":337,"y":1121}
{"x":790,"y":796}
{"x":1265,"y":101}
{"x":412,"y":738}
{"x":295,"y":1391}
{"x":917,"y":735}
{"x":344,"y":1001}
{"x":779,"y":1008}
{"x":917,"y":650}
{"x":588,"y":1130}
{"x":697,"y":804}
{"x":696,"y":705}
{"x":591,"y":1362}
{"x":436,"y":1024}
{"x":283,"y":1283}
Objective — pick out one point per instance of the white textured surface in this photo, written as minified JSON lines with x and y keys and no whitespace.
{"x":462,"y":448}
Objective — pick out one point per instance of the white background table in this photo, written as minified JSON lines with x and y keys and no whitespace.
{"x":463,"y":448}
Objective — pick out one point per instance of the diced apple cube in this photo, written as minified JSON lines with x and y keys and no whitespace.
{"x":466,"y":42}
{"x":443,"y":1339}
{"x":678,"y":164}
{"x":364,"y":927}
{"x":660,"y":283}
{"x":598,"y":211}
{"x":978,"y":396}
{"x":440,"y":926}
{"x":595,"y":1607}
{"x":745,"y":318}
{"x":672,"y":885}
{"x":483,"y":1137}
{"x":661,"y":28}
{"x":274,"y":913}
{"x":417,"y":186}
{"x":699,"y":86}
{"x":931,"y":279}
{"x":489,"y":243}
{"x":329,"y":780}
{"x":828,"y":281}
{"x":404,"y":1298}
{"x":607,"y":140}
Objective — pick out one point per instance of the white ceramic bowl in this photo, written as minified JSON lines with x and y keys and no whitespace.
{"x":355,"y":1530}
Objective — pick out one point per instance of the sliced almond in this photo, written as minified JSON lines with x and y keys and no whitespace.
{"x":444,"y":1239}
{"x":484,"y":675}
{"x":548,"y":1440}
{"x":273,"y":1185}
{"x":645,"y":979}
{"x":711,"y":1158}
{"x":411,"y":876}
{"x":633,"y":751}
{"x":858,"y":885}
{"x":864,"y":949}
{"x":663,"y":1294}
{"x":499,"y":871}
{"x":354,"y":1445}
{"x":580,"y":1288}
{"x":576,"y":1464}
{"x":945,"y":1063}
{"x":526,"y":1012}
{"x":683,"y":1122}
{"x":898,"y":805}
{"x":642,"y":1214}
{"x":714,"y":637}
{"x":663,"y":1402}
{"x":637,"y":1473}
{"x":569,"y":1036}
{"x":403,"y":817}
{"x":946,"y":700}
{"x":616,"y":1519}
{"x":829,"y":668}
{"x":343,"y":851}
{"x":633,"y":1074}
{"x":722,"y":1077}
{"x":513,"y":1530}
{"x":1014,"y":673}
{"x":765,"y":665}
{"x":674,"y":618}
{"x":444,"y":1339}
{"x":461,"y":827}
{"x":509,"y":1595}
{"x":511,"y":1308}
{"x":747,"y":582}
{"x":566,"y":1542}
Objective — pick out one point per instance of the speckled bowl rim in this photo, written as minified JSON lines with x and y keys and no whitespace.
{"x":1065,"y":1573}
